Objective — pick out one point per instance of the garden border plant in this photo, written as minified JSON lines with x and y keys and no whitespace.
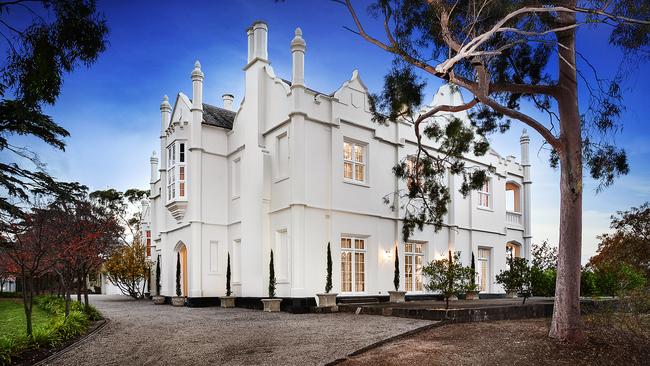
{"x":327,"y":299}
{"x":58,"y":331}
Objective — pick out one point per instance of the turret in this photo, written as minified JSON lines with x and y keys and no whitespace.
{"x":166,"y":114}
{"x":154,"y":167}
{"x":298,"y":47}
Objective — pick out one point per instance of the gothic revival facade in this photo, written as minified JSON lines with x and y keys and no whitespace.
{"x":292,"y":169}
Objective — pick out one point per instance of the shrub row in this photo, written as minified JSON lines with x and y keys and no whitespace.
{"x":593,"y":282}
{"x":58,"y":331}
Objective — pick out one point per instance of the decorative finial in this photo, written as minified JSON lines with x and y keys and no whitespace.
{"x":298,"y":32}
{"x":197,"y":65}
{"x":166,"y":98}
{"x":153,"y":153}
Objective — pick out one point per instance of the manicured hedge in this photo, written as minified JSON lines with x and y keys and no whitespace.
{"x":58,"y":331}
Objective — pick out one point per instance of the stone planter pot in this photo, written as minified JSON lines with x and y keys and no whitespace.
{"x":397,"y":296}
{"x":471,"y":295}
{"x":271,"y":305}
{"x":511,"y":295}
{"x":227,"y":301}
{"x":326,"y":300}
{"x":178,"y":301}
{"x":159,"y":300}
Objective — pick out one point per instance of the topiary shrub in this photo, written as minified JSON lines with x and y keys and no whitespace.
{"x":517,"y":278}
{"x":158,"y":276}
{"x":271,"y":277}
{"x":328,"y":278}
{"x":178,"y":274}
{"x":228,"y":292}
{"x":396,"y":271}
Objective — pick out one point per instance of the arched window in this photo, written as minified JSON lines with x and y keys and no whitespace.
{"x":513,"y":197}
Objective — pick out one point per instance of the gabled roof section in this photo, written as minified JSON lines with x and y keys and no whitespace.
{"x":219,"y":117}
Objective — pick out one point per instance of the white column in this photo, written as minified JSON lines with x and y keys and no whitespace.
{"x":298,"y":47}
{"x":260,"y":40}
{"x":194,"y":185}
{"x":525,"y":163}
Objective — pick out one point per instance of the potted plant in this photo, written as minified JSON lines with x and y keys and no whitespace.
{"x":516,"y":280}
{"x":178,"y":300}
{"x":328,"y":300}
{"x":471,"y":290}
{"x":227,"y":301}
{"x":271,"y":304}
{"x":445,"y":276}
{"x":396,"y":296}
{"x":158,"y":299}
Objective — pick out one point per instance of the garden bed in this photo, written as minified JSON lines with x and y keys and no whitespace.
{"x":52,"y":330}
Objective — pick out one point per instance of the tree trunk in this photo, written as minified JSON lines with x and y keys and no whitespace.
{"x":566,"y":324}
{"x":68,"y":299}
{"x":28,"y":301}
{"x":86,"y":304}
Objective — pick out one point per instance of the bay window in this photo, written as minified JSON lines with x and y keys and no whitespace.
{"x":176,"y":171}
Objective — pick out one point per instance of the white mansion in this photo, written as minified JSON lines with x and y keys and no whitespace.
{"x":291,"y":169}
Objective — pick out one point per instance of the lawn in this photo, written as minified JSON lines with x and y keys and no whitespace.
{"x":12,"y":317}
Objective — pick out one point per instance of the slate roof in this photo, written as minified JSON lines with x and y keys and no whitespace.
{"x":310,"y":89}
{"x":219,"y":117}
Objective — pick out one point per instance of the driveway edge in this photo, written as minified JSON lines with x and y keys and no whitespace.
{"x":74,"y":344}
{"x":388,"y":340}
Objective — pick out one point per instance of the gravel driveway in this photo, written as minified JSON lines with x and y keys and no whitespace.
{"x":141,"y":333}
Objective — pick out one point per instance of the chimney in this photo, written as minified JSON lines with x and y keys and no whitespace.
{"x":249,"y":33}
{"x":298,"y":47}
{"x":227,"y":101}
{"x":166,"y":114}
{"x":260,"y":40}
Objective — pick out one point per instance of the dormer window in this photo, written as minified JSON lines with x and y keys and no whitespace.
{"x":176,"y":171}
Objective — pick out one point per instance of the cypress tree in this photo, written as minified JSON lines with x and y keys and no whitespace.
{"x":328,"y":280}
{"x":228,"y":292}
{"x":271,"y":277}
{"x":178,"y":274}
{"x":158,"y":276}
{"x":396,"y":274}
{"x":473,"y":269}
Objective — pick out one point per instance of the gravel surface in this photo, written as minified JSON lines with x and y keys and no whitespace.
{"x":141,"y":333}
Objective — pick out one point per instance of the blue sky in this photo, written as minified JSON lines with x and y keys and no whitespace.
{"x":112,"y":108}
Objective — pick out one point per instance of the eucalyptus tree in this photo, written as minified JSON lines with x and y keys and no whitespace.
{"x":508,"y":54}
{"x":52,"y":38}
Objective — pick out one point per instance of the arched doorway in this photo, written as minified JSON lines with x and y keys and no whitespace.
{"x":182,"y":251}
{"x":513,"y":249}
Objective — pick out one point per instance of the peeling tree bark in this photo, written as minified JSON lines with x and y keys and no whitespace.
{"x":566,"y":324}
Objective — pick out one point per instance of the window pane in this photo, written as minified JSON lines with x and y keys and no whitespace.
{"x":346,"y":243}
{"x":359,"y":244}
{"x":347,"y":151}
{"x":346,"y":271}
{"x":181,"y":173}
{"x":360,"y":172}
{"x":181,"y":154}
{"x":347,"y":170}
{"x":181,"y":189}
{"x":360,"y":281}
{"x":358,"y":153}
{"x":418,"y":248}
{"x":418,"y":273}
{"x":408,"y":272}
{"x":408,"y":247}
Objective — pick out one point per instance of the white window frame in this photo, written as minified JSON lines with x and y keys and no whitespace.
{"x":482,"y":193}
{"x":354,"y":163}
{"x":416,"y":273}
{"x":282,"y":162}
{"x":484,"y":287}
{"x":353,"y":268}
{"x":174,"y":165}
{"x":235,"y":181}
